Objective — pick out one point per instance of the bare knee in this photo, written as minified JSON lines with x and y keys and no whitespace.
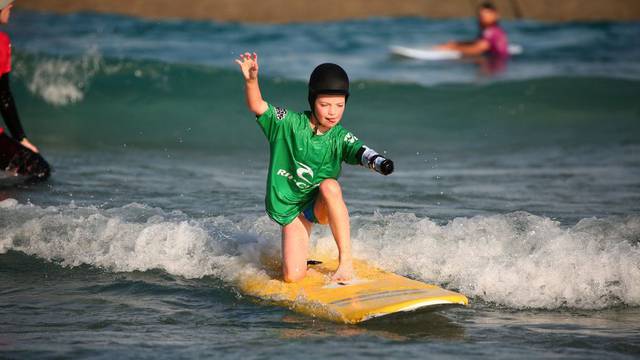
{"x":295,"y":242}
{"x":293,"y":275}
{"x":330,"y":189}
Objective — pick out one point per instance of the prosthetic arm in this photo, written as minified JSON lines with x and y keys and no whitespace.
{"x":371,"y":159}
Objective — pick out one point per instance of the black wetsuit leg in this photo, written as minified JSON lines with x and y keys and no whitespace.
{"x":8,"y":109}
{"x":14,"y":157}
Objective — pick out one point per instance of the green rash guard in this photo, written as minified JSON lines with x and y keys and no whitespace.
{"x":300,"y":160}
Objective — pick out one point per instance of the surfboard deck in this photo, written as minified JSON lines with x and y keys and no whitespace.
{"x":430,"y":54}
{"x":372,"y":294}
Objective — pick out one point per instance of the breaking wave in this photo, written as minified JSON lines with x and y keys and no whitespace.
{"x":517,"y":260}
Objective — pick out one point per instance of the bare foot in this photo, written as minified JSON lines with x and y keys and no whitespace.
{"x":344,"y":272}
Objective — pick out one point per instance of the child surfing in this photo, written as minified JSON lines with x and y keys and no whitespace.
{"x":307,"y":150}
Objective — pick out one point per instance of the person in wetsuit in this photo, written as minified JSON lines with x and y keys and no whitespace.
{"x":492,"y":39}
{"x":17,"y":154}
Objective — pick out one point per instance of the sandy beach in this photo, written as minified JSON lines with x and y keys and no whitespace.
{"x":283,"y":11}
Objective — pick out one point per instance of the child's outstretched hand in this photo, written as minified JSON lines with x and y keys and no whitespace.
{"x":249,"y":66}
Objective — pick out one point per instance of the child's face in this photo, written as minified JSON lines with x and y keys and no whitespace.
{"x":329,"y":110}
{"x":487,"y":17}
{"x":5,"y":14}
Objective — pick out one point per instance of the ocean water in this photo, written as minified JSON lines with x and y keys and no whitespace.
{"x":520,"y":189}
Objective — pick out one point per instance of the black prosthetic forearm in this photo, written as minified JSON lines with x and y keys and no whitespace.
{"x":371,"y":159}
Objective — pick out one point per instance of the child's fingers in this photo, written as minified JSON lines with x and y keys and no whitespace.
{"x":243,"y":58}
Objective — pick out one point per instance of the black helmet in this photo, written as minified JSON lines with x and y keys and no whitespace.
{"x":328,"y":79}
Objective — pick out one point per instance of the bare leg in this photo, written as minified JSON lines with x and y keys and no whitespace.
{"x":331,"y":209}
{"x":295,"y":249}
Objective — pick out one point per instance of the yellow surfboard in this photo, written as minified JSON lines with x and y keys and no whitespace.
{"x":373,"y":293}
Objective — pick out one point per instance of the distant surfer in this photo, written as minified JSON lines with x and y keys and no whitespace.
{"x":17,"y":154}
{"x":307,"y":150}
{"x":492,"y":39}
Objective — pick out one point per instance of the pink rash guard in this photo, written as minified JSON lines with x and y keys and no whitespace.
{"x":497,"y":38}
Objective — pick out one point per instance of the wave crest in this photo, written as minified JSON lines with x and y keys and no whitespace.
{"x":59,"y":81}
{"x":517,"y":260}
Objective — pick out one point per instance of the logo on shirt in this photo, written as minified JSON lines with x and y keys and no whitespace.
{"x":350,"y":138}
{"x":304,"y":173}
{"x":280,"y":113}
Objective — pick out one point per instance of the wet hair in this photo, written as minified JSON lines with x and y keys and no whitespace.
{"x":487,"y":5}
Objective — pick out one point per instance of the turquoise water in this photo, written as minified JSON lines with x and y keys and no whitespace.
{"x":519,"y":189}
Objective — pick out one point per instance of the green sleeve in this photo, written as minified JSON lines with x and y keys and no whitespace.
{"x":350,"y":147}
{"x":272,"y":121}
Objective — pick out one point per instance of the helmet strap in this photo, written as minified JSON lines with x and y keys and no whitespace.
{"x":314,"y":122}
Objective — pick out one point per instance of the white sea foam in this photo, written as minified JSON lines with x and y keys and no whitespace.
{"x":517,"y":260}
{"x":61,"y":81}
{"x":134,"y":237}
